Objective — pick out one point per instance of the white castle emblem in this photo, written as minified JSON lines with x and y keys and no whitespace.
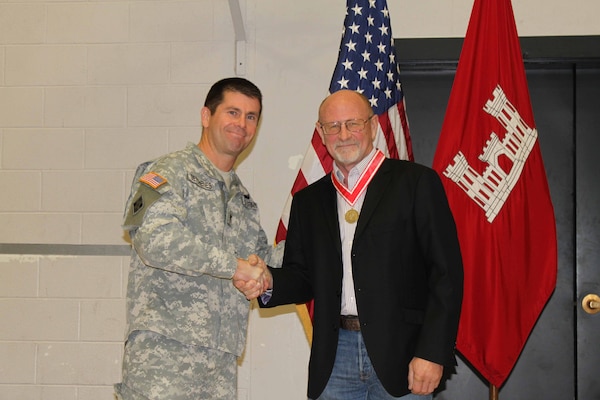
{"x":490,"y":190}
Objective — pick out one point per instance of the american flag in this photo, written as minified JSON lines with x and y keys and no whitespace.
{"x":367,"y":64}
{"x":153,"y":180}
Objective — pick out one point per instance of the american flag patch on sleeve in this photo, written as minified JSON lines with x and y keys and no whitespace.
{"x":153,"y":180}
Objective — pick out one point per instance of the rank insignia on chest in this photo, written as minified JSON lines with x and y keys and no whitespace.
{"x":153,"y":180}
{"x":249,"y":203}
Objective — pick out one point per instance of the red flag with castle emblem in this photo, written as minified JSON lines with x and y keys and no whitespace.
{"x":489,"y":158}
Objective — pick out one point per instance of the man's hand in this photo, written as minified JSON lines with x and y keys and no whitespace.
{"x":252,"y":277}
{"x":424,"y":376}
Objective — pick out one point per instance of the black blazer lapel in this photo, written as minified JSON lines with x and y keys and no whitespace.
{"x":374,"y":193}
{"x":330,"y":212}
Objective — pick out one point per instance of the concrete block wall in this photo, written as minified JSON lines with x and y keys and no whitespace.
{"x":62,"y":326}
{"x":88,"y":90}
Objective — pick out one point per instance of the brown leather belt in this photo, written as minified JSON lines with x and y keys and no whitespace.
{"x":349,"y":322}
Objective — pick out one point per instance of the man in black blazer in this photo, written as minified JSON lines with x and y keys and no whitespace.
{"x":375,"y":245}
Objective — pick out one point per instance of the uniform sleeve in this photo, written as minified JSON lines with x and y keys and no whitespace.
{"x":164,"y":241}
{"x":275,"y":257}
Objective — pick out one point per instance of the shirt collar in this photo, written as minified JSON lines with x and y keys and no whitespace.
{"x":356,"y":171}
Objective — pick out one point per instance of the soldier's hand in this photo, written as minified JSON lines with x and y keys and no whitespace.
{"x":267,"y":278}
{"x":252,"y":277}
{"x":251,"y":289}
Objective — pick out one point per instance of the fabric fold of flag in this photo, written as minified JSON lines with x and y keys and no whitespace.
{"x":490,"y":161}
{"x":367,"y":64}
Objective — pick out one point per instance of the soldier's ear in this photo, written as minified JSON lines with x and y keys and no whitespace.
{"x":205,"y":116}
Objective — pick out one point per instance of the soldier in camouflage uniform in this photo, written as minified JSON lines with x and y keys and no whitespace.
{"x":193,"y":227}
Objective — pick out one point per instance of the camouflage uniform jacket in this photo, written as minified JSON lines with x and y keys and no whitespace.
{"x":187,"y":231}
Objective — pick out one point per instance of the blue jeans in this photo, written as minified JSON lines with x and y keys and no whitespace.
{"x":353,"y":376}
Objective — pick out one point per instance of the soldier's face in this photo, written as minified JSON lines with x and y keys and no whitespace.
{"x":234,"y":123}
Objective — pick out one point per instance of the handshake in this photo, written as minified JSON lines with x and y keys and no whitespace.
{"x":252,"y":277}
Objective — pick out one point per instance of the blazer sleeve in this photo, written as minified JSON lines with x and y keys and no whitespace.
{"x":291,"y":282}
{"x":437,"y":236}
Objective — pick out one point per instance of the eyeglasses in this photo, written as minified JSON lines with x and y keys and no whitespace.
{"x":352,"y":125}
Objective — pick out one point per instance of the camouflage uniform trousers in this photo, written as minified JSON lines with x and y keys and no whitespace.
{"x":156,"y":367}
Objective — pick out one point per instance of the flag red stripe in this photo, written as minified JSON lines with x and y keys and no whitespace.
{"x":388,"y":132}
{"x":281,"y":232}
{"x":299,"y":183}
{"x":405,"y":130}
{"x":322,"y":154}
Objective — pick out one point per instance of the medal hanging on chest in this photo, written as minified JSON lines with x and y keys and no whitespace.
{"x":351,"y":216}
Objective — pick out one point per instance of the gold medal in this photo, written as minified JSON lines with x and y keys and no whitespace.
{"x":351,"y":216}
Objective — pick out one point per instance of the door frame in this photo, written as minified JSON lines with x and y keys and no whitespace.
{"x":428,"y":52}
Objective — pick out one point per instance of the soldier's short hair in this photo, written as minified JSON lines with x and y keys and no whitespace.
{"x":240,"y":85}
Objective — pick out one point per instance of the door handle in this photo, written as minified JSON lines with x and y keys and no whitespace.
{"x":591,"y":304}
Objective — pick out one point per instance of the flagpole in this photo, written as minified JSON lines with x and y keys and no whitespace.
{"x":493,"y":392}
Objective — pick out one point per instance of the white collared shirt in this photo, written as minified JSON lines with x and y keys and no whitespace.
{"x":347,"y":231}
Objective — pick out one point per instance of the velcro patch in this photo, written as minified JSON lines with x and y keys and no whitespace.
{"x":153,"y":180}
{"x":138,"y":205}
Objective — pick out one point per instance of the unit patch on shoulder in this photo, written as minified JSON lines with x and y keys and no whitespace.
{"x":138,"y":205}
{"x":153,"y":180}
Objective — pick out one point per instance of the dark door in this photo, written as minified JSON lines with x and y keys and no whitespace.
{"x":587,"y":233}
{"x":562,"y":354}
